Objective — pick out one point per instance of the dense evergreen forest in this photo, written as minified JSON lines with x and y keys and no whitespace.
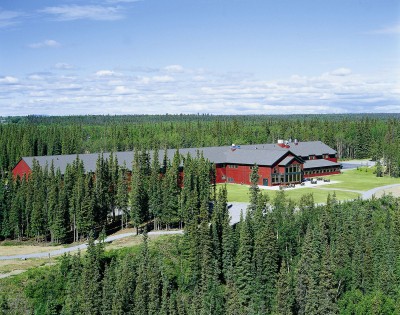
{"x":59,"y":208}
{"x":374,"y":136}
{"x":341,"y":258}
{"x":281,"y":258}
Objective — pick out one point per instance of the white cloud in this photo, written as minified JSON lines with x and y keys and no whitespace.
{"x":341,"y":72}
{"x":174,"y":69}
{"x":124,"y":92}
{"x":163,"y":79}
{"x":394,"y":29}
{"x":9,"y":18}
{"x":90,"y":12}
{"x":8,"y":80}
{"x":46,"y":43}
{"x":35,"y":77}
{"x":107,"y":73}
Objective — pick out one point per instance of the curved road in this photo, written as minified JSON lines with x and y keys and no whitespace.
{"x":368,"y":194}
{"x":82,"y":246}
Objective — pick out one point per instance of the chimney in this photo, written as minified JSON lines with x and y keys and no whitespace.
{"x":296,"y":142}
{"x":281,"y":143}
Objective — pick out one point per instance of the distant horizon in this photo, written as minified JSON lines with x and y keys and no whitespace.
{"x":203,"y":114}
{"x":116,"y":57}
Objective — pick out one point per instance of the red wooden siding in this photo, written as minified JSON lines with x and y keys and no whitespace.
{"x":21,"y":169}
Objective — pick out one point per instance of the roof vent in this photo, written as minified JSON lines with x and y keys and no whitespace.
{"x":233,"y":147}
{"x":281,"y":143}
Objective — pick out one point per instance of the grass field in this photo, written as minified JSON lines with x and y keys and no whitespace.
{"x":362,"y":179}
{"x":239,"y":193}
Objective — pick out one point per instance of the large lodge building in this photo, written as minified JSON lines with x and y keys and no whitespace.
{"x":285,"y":162}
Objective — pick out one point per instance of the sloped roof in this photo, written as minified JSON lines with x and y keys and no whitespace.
{"x":249,"y":157}
{"x":319,"y":163}
{"x":261,"y":154}
{"x":300,"y":149}
{"x":286,"y":160}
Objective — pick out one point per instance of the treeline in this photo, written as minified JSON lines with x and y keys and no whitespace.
{"x":341,"y":258}
{"x":59,"y":208}
{"x":353,"y":136}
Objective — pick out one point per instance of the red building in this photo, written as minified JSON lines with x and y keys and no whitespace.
{"x":280,"y":163}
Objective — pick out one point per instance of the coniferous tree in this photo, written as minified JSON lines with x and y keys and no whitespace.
{"x":138,"y":199}
{"x":122,"y":196}
{"x":254,"y":189}
{"x":38,"y":214}
{"x":142,"y":281}
{"x":102,"y":190}
{"x":108,"y":289}
{"x":284,"y":291}
{"x":265,"y":259}
{"x":171,"y":190}
{"x":90,"y":282}
{"x":125,"y":283}
{"x":155,"y":191}
{"x":244,"y":271}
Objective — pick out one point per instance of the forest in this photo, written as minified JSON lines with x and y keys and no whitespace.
{"x":281,"y":258}
{"x":340,"y":258}
{"x":375,"y":136}
{"x":48,"y":206}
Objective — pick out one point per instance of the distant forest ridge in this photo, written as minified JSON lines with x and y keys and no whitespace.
{"x":375,"y":136}
{"x":103,"y":119}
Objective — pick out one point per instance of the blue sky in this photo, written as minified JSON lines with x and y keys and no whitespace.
{"x":68,"y":57}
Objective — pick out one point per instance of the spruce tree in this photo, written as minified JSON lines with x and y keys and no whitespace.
{"x":122,"y":196}
{"x":142,"y":281}
{"x":244,"y":270}
{"x":284,"y":291}
{"x":254,"y":189}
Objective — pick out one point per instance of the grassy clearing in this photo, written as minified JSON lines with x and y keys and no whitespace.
{"x":239,"y":193}
{"x":361,"y":179}
{"x":11,"y":250}
{"x":7,"y":266}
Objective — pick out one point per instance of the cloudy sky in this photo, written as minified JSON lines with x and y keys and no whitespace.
{"x":68,"y":57}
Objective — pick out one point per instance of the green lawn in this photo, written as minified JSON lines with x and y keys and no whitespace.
{"x":361,"y":179}
{"x":239,"y":193}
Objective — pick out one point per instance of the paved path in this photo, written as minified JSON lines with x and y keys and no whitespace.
{"x":368,"y":194}
{"x":81,"y":246}
{"x":364,"y":194}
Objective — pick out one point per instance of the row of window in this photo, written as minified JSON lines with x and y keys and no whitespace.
{"x":321,"y":171}
{"x":293,"y":168}
{"x":314,"y":157}
{"x":236,"y":166}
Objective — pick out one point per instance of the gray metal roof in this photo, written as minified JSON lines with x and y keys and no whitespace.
{"x":249,"y":157}
{"x":302,"y":149}
{"x":319,"y":163}
{"x":261,"y":154}
{"x":286,"y":160}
